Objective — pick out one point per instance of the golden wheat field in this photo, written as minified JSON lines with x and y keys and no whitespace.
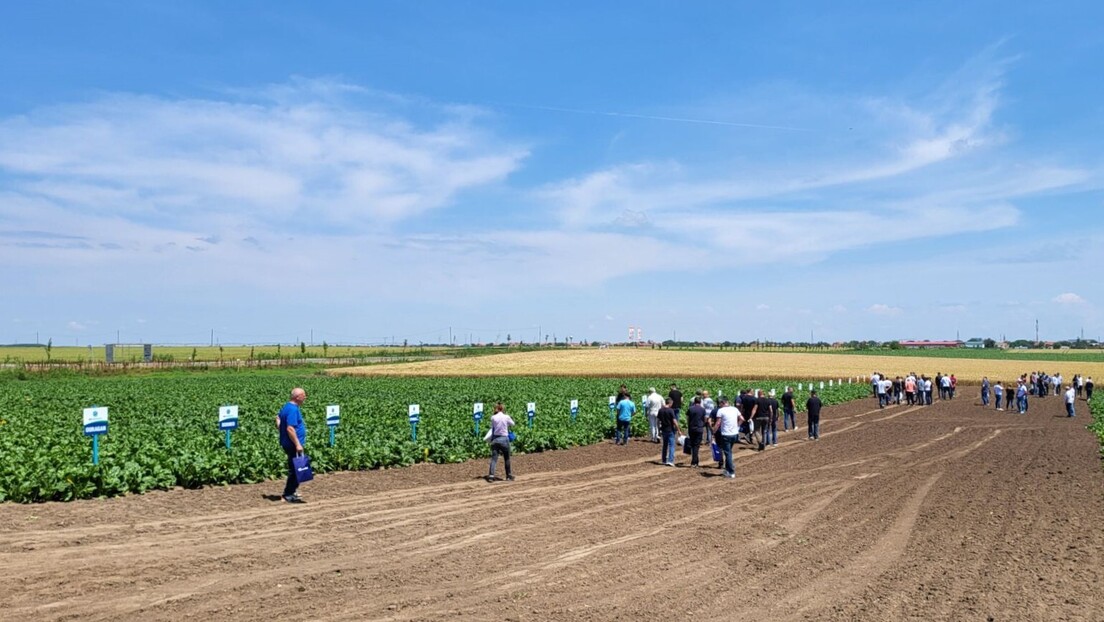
{"x":618,"y":362}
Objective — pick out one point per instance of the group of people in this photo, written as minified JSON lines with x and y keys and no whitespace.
{"x":1037,"y":384}
{"x":723,"y":423}
{"x":913,"y":389}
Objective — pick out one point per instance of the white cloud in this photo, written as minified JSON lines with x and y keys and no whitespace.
{"x":1069,"y":298}
{"x":762,"y":307}
{"x":75,"y":325}
{"x":305,"y":153}
{"x":884,"y":309}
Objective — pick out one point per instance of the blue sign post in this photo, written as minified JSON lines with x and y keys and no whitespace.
{"x":333,"y":419}
{"x":574,"y":410}
{"x":95,"y":424}
{"x":477,"y":416}
{"x":531,"y":409}
{"x":415,"y":412}
{"x":228,"y":420}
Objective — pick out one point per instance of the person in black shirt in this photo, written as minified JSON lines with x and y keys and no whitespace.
{"x":668,"y":428}
{"x":763,"y":418}
{"x":812,"y":407}
{"x":747,"y":409}
{"x":695,"y":426}
{"x":789,"y":412}
{"x":676,"y":400}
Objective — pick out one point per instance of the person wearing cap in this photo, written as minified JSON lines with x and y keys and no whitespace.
{"x":727,"y":428}
{"x":653,"y":402}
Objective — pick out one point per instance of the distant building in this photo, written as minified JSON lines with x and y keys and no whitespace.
{"x":975,"y":343}
{"x":930,"y":345}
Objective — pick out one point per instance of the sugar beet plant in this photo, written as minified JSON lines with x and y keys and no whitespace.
{"x":163,"y":429}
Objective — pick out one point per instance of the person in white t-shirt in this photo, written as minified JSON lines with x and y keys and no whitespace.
{"x":1071,"y":396}
{"x":727,"y":428}
{"x":653,"y":403}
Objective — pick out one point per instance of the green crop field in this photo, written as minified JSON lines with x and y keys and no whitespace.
{"x":163,"y":427}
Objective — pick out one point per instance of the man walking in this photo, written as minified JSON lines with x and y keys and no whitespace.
{"x":812,"y":408}
{"x":727,"y":428}
{"x":764,"y":414}
{"x":998,"y":392}
{"x":1071,"y":396}
{"x":293,"y":434}
{"x":695,"y":425}
{"x":985,"y":391}
{"x":1088,"y":389}
{"x":625,"y":410}
{"x":500,"y":441}
{"x":668,"y":428}
{"x":789,"y":416}
{"x":676,"y":399}
{"x":652,"y":405}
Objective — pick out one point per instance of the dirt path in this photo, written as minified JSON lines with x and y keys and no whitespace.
{"x":944,"y":513}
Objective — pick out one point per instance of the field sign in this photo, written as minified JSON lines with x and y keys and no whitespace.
{"x":477,"y":411}
{"x":95,"y":421}
{"x":531,"y":410}
{"x":414,"y":411}
{"x":95,"y":424}
{"x":333,"y":415}
{"x":228,"y":417}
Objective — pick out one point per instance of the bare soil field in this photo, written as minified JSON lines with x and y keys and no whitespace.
{"x":625,"y":362}
{"x":949,"y":512}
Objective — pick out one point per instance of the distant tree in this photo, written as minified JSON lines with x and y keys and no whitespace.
{"x":49,"y":347}
{"x":894,"y":345}
{"x":193,"y":355}
{"x":220,"y":352}
{"x":251,"y":352}
{"x":302,"y":347}
{"x":989,"y":343}
{"x":325,"y":349}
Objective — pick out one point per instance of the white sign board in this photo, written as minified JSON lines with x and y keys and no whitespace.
{"x":333,"y":414}
{"x":415,"y":411}
{"x":574,"y":405}
{"x":95,"y":420}
{"x":228,"y":417}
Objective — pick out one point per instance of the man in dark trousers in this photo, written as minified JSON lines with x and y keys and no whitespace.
{"x":695,"y":426}
{"x":812,"y":407}
{"x":789,"y":410}
{"x":293,"y":433}
{"x":762,"y":416}
{"x":747,"y":405}
{"x":668,"y":429}
{"x":676,"y":400}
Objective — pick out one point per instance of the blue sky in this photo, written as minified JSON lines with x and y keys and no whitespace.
{"x":387,"y":170}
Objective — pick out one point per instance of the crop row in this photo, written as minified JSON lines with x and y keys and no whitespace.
{"x":164,"y":433}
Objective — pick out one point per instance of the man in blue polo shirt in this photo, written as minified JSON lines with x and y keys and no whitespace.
{"x":293,"y":434}
{"x":625,"y":410}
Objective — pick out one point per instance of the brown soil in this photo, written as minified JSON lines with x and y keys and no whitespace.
{"x":943,"y":513}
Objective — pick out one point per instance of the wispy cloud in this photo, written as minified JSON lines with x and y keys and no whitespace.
{"x":1069,"y":298}
{"x":306,"y":153}
{"x":884,"y":309}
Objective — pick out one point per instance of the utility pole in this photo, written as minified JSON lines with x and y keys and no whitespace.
{"x":1036,"y":330}
{"x":212,"y":337}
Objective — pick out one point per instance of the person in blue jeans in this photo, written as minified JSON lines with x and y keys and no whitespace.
{"x":998,"y":393}
{"x":668,"y":429}
{"x":727,"y":427}
{"x":625,"y":410}
{"x":293,"y":435}
{"x":985,"y":391}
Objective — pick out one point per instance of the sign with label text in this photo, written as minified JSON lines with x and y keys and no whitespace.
{"x":574,"y":407}
{"x":415,"y":413}
{"x":95,"y":420}
{"x":477,"y":411}
{"x":228,"y":417}
{"x":333,"y":415}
